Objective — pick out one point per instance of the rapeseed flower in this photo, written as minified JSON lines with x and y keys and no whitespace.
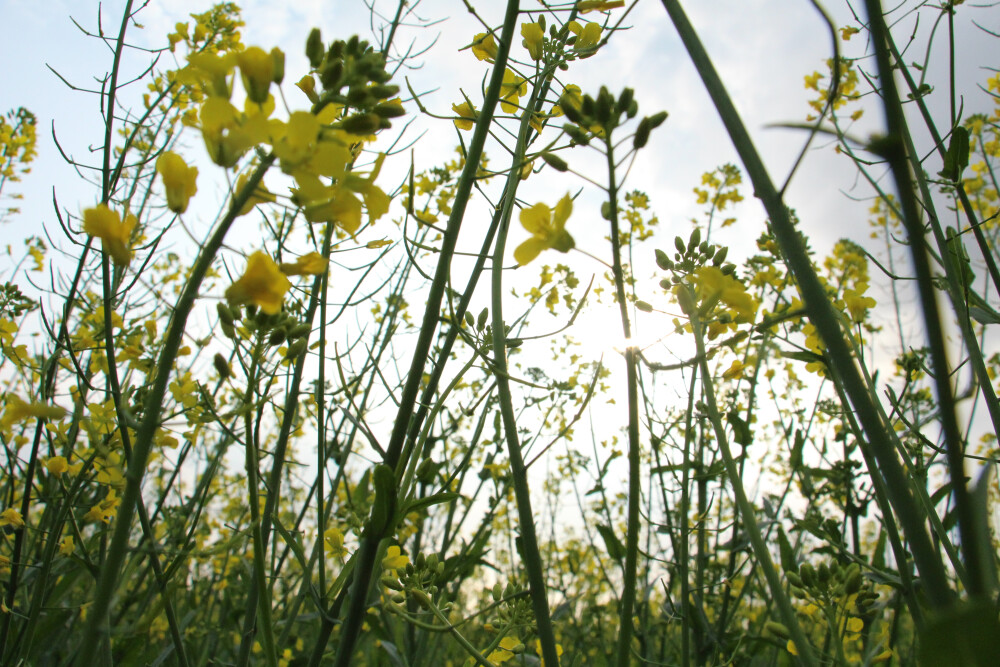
{"x":313,"y":264}
{"x":115,"y":235}
{"x":548,"y":229}
{"x":179,"y":180}
{"x":262,"y":284}
{"x":512,"y":88}
{"x":466,"y":115}
{"x":11,"y":517}
{"x":533,"y":35}
{"x":484,"y":47}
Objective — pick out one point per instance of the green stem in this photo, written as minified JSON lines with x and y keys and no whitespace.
{"x":519,"y":472}
{"x":822,"y":315}
{"x":627,"y":602}
{"x":747,"y":512}
{"x":368,"y":547}
{"x":97,"y":626}
{"x":895,"y":154}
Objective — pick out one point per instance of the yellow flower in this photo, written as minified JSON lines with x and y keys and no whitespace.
{"x":66,"y":546}
{"x":17,"y":410}
{"x":307,"y":85}
{"x":335,"y":542}
{"x":585,"y":6}
{"x":11,"y":517}
{"x":262,"y":283}
{"x":178,"y":180}
{"x":228,"y":134}
{"x":296,"y":140}
{"x":511,"y":89}
{"x":57,"y":465}
{"x":394,"y":560}
{"x":257,"y":69}
{"x":548,"y":229}
{"x":107,"y":225}
{"x":313,"y":264}
{"x":505,"y":652}
{"x":533,"y":34}
{"x":260,"y":195}
{"x":713,"y":286}
{"x":587,"y":37}
{"x":106,"y":510}
{"x":467,"y":115}
{"x":484,"y":46}
{"x":857,"y":304}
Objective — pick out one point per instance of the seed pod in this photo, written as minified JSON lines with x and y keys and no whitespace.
{"x":555,"y":161}
{"x":314,"y":48}
{"x":808,"y":574}
{"x":296,"y":349}
{"x":643,"y":306}
{"x":662,"y":260}
{"x":278,"y":57}
{"x":641,"y":137}
{"x":360,"y":123}
{"x":225,"y":314}
{"x":384,"y":507}
{"x":777,"y":629}
{"x":222,"y":366}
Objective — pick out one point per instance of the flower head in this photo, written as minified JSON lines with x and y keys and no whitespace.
{"x":587,"y":37}
{"x":548,"y":229}
{"x":533,"y":34}
{"x":466,"y":115}
{"x":262,"y":283}
{"x":257,"y":68}
{"x":11,"y":517}
{"x":394,"y":559}
{"x":313,"y":264}
{"x":260,"y":194}
{"x":484,"y":46}
{"x":178,"y":180}
{"x":511,"y":89}
{"x":115,"y":235}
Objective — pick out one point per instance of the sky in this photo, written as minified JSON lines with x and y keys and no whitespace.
{"x":762,"y":49}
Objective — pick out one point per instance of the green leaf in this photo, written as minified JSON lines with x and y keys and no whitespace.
{"x":615,"y":548}
{"x":741,"y":429}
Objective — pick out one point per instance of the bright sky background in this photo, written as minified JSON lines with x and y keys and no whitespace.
{"x":762,"y":48}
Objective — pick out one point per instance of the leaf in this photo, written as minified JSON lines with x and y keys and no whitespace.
{"x":807,"y":357}
{"x":741,"y":429}
{"x":786,"y":552}
{"x":427,"y":501}
{"x":615,"y":548}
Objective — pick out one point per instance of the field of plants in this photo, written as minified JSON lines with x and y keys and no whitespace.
{"x":282,"y":392}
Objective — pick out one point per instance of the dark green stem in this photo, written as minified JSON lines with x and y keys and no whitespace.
{"x":822,"y":315}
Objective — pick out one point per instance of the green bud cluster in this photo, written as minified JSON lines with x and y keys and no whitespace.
{"x":833,"y":580}
{"x":279,"y":328}
{"x":606,"y":112}
{"x":353,"y":75}
{"x":424,"y":574}
{"x":691,"y":256}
